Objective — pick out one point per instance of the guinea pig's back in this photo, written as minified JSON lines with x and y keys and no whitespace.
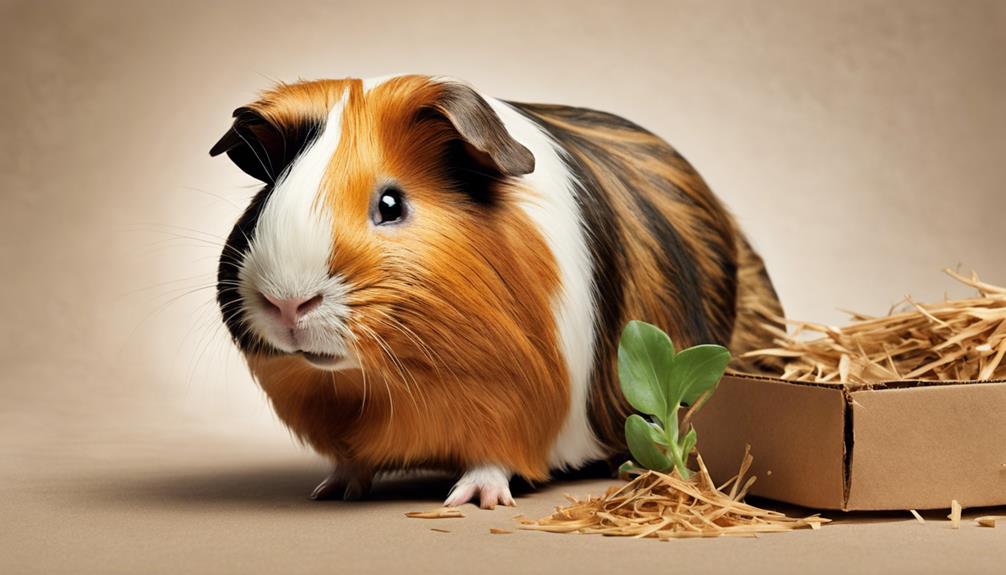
{"x":665,"y":250}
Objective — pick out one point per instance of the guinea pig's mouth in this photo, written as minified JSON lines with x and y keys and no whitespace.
{"x":324,"y":360}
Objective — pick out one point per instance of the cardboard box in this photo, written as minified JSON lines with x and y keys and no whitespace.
{"x":902,"y":445}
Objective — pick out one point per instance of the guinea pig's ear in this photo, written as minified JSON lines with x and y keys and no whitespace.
{"x":486,"y":138}
{"x":257,"y":146}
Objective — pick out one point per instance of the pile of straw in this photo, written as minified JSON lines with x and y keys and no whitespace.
{"x":952,"y":340}
{"x":665,"y":506}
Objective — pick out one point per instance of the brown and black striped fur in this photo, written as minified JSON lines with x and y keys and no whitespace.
{"x":664,"y":250}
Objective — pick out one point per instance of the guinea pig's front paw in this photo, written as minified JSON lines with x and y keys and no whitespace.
{"x":490,"y":482}
{"x":348,"y":480}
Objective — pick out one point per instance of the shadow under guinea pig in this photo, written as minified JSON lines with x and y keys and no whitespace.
{"x":284,"y":485}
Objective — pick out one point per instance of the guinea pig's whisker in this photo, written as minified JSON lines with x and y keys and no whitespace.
{"x":404,"y":373}
{"x":411,"y":336}
{"x":229,"y":307}
{"x":398,"y":366}
{"x":161,"y":307}
{"x":419,"y":388}
{"x":164,"y":228}
{"x":363,"y":373}
{"x":208,"y":328}
{"x":401,"y":364}
{"x":215,"y":244}
{"x":244,"y":235}
{"x":332,"y":381}
{"x":432,"y":356}
{"x":351,"y":339}
{"x":245,"y":328}
{"x":268,"y":169}
{"x":220,"y":197}
{"x":204,"y":344}
{"x":398,"y":359}
{"x":167,"y":290}
{"x":175,"y":232}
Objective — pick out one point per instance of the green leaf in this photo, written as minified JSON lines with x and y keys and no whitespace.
{"x":695,"y":371}
{"x":658,"y":434}
{"x":639,"y":435}
{"x":688,"y":443}
{"x":645,"y":355}
{"x":627,"y":467}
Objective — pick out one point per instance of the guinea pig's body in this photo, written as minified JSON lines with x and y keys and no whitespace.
{"x":435,"y":278}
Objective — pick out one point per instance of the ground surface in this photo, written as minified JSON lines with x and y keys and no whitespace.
{"x":186,"y":505}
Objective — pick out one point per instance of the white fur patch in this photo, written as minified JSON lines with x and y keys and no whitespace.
{"x":290,"y":252}
{"x":557,"y":216}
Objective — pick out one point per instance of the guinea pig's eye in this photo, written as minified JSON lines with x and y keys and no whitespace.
{"x":390,"y":207}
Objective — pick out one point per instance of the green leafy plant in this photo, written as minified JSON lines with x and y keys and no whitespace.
{"x":658,"y":382}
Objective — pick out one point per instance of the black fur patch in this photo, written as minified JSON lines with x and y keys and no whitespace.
{"x":240,"y":238}
{"x":687,"y":285}
{"x":228,"y":296}
{"x":261,"y":149}
{"x":601,"y":153}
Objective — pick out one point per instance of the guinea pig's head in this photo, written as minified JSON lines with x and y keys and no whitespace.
{"x":376,"y":227}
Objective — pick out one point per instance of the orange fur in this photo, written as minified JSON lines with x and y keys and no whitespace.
{"x":451,"y":313}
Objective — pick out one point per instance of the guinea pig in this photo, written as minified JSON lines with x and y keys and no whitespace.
{"x":435,"y":278}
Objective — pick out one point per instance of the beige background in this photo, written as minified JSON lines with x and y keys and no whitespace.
{"x":861,"y":144}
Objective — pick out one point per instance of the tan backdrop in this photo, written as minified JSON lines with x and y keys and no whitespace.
{"x":861,"y":144}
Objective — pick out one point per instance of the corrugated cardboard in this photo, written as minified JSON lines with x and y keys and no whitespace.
{"x":902,"y":445}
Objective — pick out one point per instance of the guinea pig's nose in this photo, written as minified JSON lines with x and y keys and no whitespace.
{"x":290,"y":310}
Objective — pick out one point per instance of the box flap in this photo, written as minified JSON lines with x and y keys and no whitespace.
{"x":796,"y":433}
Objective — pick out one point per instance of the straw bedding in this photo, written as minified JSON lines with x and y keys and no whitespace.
{"x":665,"y":506}
{"x":963,"y":339}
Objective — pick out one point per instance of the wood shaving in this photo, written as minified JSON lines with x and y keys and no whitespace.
{"x":498,"y":531}
{"x":957,"y":340}
{"x":917,"y":516}
{"x":988,"y":520}
{"x":955,"y":514}
{"x":439,"y":530}
{"x":665,"y":506}
{"x":442,"y":513}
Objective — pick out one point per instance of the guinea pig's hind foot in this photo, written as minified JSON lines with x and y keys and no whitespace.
{"x":490,"y":482}
{"x":348,"y":481}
